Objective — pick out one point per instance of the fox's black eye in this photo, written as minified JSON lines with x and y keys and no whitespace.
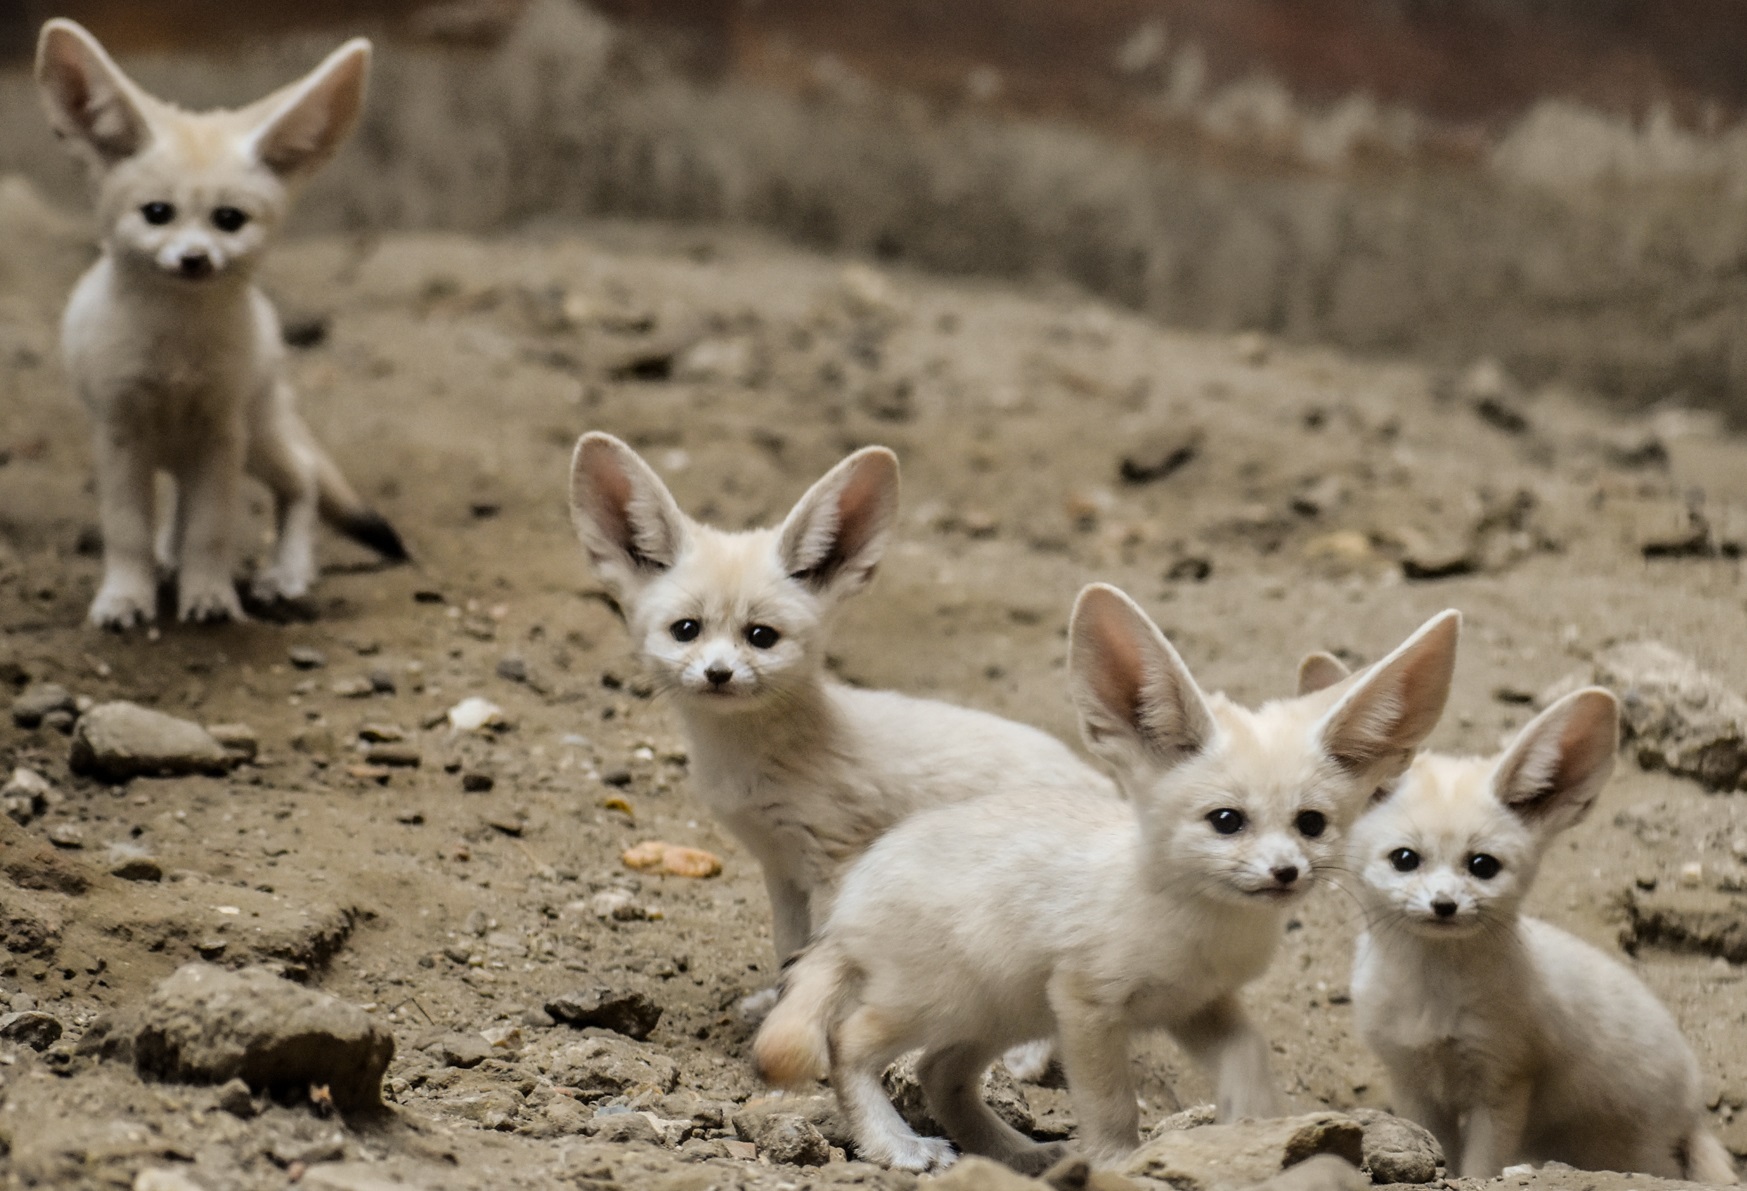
{"x":685,"y":630}
{"x":1226,"y":821}
{"x":159,"y":213}
{"x":1405,"y":860}
{"x":229,"y":219}
{"x":762,"y":636}
{"x":1483,"y":866}
{"x":1310,"y":824}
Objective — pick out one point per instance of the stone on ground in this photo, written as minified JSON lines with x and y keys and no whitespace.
{"x":118,"y":741}
{"x":204,"y":1024}
{"x":1229,"y":1157}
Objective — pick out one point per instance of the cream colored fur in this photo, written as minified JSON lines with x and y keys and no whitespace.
{"x":172,"y":348}
{"x":806,"y":772}
{"x":1509,"y":1039}
{"x":1025,"y":914}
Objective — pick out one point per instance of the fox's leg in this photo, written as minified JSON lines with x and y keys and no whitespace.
{"x":1093,"y":1044}
{"x":209,"y":484}
{"x":1440,"y":1118}
{"x":129,"y":592}
{"x":1235,"y":1055}
{"x":951,"y":1078}
{"x":278,"y":459}
{"x":791,"y":915}
{"x":170,"y":527}
{"x":1492,"y":1135}
{"x":861,"y":1048}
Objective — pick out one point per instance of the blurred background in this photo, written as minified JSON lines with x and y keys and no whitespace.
{"x":1558,"y":184}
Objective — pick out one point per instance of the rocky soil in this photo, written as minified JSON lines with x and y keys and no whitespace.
{"x":454,"y":876}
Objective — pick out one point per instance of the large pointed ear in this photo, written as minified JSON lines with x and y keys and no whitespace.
{"x":89,"y":101}
{"x":1554,"y":769}
{"x":628,"y":522}
{"x":1139,"y":705}
{"x":303,"y":124}
{"x":1319,"y":671}
{"x":833,"y":538}
{"x":1394,"y":705}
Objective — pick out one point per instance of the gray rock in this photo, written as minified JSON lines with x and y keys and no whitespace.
{"x":31,"y":1028}
{"x":625,"y":1126}
{"x":1000,"y":1090}
{"x":204,"y":1024}
{"x":1397,"y":1150}
{"x":628,"y":1013}
{"x":132,"y":863}
{"x":329,"y":1146}
{"x":599,"y":1067}
{"x":236,"y":738}
{"x":972,"y":1173}
{"x":821,"y":1112}
{"x":792,"y":1140}
{"x":1229,"y":1157}
{"x":1187,"y":1118}
{"x":39,"y":700}
{"x":460,"y":1050}
{"x":1673,"y":715}
{"x":306,"y":657}
{"x":118,"y":741}
{"x":235,"y":1098}
{"x":25,"y":795}
{"x":1325,"y":1172}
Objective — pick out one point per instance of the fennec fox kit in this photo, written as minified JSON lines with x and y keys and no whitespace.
{"x":170,"y":345}
{"x":804,"y":771}
{"x":1509,"y":1039}
{"x":972,"y":927}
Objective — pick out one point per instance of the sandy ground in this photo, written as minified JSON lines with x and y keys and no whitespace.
{"x":452,"y":379}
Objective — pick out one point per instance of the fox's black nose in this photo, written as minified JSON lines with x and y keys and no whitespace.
{"x":718,"y":675}
{"x":1286,"y":874}
{"x":196,"y":264}
{"x":1444,"y":909}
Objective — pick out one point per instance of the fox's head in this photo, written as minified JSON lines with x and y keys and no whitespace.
{"x":193,"y":195}
{"x":729,"y":621}
{"x":1453,"y":848}
{"x":1241,"y":805}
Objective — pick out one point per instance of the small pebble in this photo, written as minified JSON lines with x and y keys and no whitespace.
{"x":67,"y":835}
{"x":307,"y":657}
{"x":473,"y":714}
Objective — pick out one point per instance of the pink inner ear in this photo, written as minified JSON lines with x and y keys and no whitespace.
{"x":611,"y":498}
{"x":1116,"y":668}
{"x":858,"y":510}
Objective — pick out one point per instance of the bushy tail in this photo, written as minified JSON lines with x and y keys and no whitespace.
{"x":793,"y":1046}
{"x":345,"y":511}
{"x":1708,"y":1160}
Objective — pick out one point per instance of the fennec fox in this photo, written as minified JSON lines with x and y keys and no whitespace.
{"x":1509,"y":1039}
{"x":1036,"y":914}
{"x":804,"y":771}
{"x":170,"y":345}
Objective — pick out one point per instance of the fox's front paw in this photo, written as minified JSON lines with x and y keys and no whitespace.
{"x":208,"y":603}
{"x":277,"y":583}
{"x":124,"y":604}
{"x":922,"y":1153}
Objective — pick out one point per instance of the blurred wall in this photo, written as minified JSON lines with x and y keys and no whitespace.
{"x":1559,"y":183}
